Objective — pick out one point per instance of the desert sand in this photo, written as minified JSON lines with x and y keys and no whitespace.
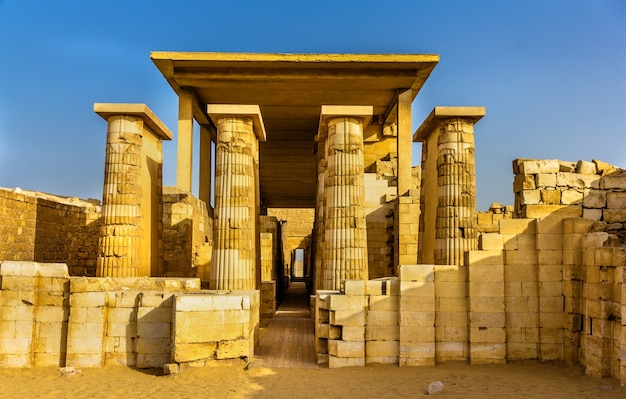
{"x":527,"y":379}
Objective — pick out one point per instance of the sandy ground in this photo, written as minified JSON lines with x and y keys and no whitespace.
{"x":515,"y":380}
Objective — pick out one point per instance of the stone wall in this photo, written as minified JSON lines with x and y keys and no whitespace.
{"x":46,"y":228}
{"x":48,"y":318}
{"x":187,"y":235}
{"x":597,"y":186}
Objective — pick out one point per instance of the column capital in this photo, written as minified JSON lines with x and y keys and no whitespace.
{"x":363,"y":112}
{"x":154,"y":124}
{"x":441,"y":113}
{"x":217,"y":111}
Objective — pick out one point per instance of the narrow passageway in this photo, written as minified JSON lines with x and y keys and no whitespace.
{"x":289,"y":339}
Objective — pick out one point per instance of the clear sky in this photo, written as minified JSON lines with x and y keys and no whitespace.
{"x":552,"y":74}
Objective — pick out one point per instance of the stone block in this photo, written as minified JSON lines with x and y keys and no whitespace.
{"x":614,"y":182}
{"x":549,"y":241}
{"x":153,"y":330}
{"x":592,"y":214}
{"x":382,"y":318}
{"x":417,"y":289}
{"x":200,"y":302}
{"x":417,"y":319}
{"x":233,"y":349}
{"x":556,"y":211}
{"x":484,"y":257}
{"x":147,"y":346}
{"x":382,"y":333}
{"x":523,"y":182}
{"x":413,"y":334}
{"x":518,"y":226}
{"x":551,"y":197}
{"x":595,"y":198}
{"x":157,"y":300}
{"x":420,"y":273}
{"x":384,"y":302}
{"x":487,"y":334}
{"x":458,"y":304}
{"x":530,"y":197}
{"x":486,"y":289}
{"x":154,"y":315}
{"x":122,"y":315}
{"x":347,"y":317}
{"x":614,"y":215}
{"x":577,"y":180}
{"x":341,"y":348}
{"x":486,"y":304}
{"x":88,"y":299}
{"x":51,"y":314}
{"x":545,"y":180}
{"x":487,"y":319}
{"x":338,"y":362}
{"x":416,"y":354}
{"x":354,"y":287}
{"x":188,"y":352}
{"x":487,"y":353}
{"x":345,"y":302}
{"x":491,"y":241}
{"x":572,"y":197}
{"x":381,"y":349}
{"x":520,"y":257}
{"x":352,"y":333}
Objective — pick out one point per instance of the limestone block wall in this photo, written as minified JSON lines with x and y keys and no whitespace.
{"x":187,"y":235}
{"x":46,"y":228}
{"x":597,"y":186}
{"x":489,"y":221}
{"x":34,"y":308}
{"x":379,"y":202}
{"x":48,"y":318}
{"x":214,"y":326}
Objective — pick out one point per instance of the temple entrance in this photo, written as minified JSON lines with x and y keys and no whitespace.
{"x":288,"y":339}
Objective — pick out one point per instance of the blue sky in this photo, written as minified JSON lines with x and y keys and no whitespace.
{"x":552,"y":74}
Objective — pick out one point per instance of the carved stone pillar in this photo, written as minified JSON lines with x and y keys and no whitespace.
{"x":448,"y":161}
{"x":345,"y":230}
{"x":236,"y":209}
{"x":130,"y":241}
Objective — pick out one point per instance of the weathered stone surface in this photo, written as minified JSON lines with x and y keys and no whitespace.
{"x":586,"y":168}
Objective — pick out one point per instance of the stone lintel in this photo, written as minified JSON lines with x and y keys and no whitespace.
{"x":217,"y":111}
{"x":441,"y":113}
{"x":364,"y":112}
{"x":154,"y":124}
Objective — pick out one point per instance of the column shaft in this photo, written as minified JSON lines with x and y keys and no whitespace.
{"x":185,"y":140}
{"x":345,"y":240}
{"x":204,"y":192}
{"x":456,"y":208}
{"x":235,"y":197}
{"x":405,"y":142}
{"x":119,"y":237}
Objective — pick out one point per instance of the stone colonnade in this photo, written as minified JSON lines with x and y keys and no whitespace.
{"x":344,"y":243}
{"x":448,"y":184}
{"x":236,"y":209}
{"x":129,"y":240}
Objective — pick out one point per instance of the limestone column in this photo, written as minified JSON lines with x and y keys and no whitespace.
{"x":235,"y":213}
{"x":404,"y":144}
{"x":345,"y":230}
{"x":449,"y":184}
{"x":129,"y":239}
{"x":185,"y":140}
{"x":204,"y":192}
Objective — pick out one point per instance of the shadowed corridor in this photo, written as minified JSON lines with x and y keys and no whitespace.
{"x":289,"y":339}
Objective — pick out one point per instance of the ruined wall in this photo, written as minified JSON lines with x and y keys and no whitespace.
{"x":45,"y":228}
{"x":187,"y":235}
{"x":597,"y":186}
{"x":48,"y":318}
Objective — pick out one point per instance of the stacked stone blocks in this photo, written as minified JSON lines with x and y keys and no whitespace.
{"x":39,"y":227}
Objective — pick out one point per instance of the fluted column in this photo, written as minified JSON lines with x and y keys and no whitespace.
{"x":119,"y":238}
{"x":130,"y":239}
{"x":448,"y":162}
{"x":235,"y":212}
{"x":345,"y":239}
{"x":456,"y":213}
